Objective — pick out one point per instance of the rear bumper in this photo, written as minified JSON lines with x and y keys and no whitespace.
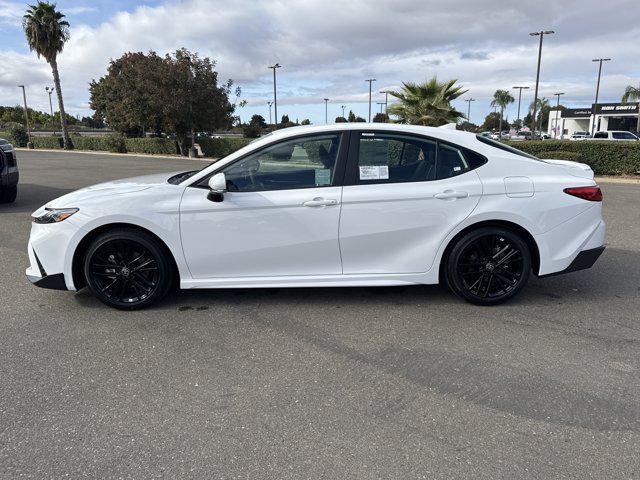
{"x":584,"y":260}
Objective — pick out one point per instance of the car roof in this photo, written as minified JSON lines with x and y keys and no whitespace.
{"x":447,"y":134}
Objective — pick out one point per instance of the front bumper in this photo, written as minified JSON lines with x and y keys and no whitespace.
{"x":39,"y":277}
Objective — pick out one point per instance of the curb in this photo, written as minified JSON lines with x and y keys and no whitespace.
{"x":99,"y":152}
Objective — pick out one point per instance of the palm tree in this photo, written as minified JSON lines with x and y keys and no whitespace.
{"x":501,"y":98}
{"x":427,"y":103}
{"x":542,"y":107}
{"x":632,"y":94}
{"x":47,"y":32}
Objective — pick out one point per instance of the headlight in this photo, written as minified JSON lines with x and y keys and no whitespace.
{"x":55,"y":215}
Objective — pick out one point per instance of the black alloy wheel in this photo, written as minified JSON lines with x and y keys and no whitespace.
{"x":127,"y":269}
{"x":489,"y":265}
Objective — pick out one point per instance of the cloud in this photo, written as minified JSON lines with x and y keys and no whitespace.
{"x":328,"y":48}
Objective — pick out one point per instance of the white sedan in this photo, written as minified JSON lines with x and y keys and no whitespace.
{"x":340,"y":205}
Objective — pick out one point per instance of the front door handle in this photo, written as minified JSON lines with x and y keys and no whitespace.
{"x":320,"y":202}
{"x":451,"y":195}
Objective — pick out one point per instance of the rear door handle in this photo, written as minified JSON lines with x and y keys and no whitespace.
{"x":320,"y":202}
{"x":451,"y":195}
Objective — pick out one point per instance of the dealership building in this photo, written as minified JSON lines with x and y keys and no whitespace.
{"x":607,"y":116}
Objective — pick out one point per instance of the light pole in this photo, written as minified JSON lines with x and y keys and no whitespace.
{"x":386,"y":99}
{"x":520,"y":97}
{"x":469,"y":100}
{"x":540,"y":34}
{"x":595,"y":105}
{"x":26,"y":117}
{"x":555,"y":130}
{"x":275,"y":99}
{"x":370,"y":80}
{"x":50,"y":90}
{"x":270,"y":103}
{"x":343,"y":107}
{"x":326,"y":110}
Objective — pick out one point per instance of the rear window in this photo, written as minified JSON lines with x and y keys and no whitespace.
{"x":506,"y":148}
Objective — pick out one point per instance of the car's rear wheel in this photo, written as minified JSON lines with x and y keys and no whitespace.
{"x":8,"y":194}
{"x":127,"y":269}
{"x":488,"y":266}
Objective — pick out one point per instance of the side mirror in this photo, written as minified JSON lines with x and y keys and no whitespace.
{"x":217,"y":187}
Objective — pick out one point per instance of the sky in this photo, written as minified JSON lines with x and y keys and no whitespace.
{"x":328,"y":49}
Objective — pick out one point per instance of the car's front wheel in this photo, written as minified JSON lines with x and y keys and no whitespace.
{"x":127,"y":269}
{"x":488,"y":266}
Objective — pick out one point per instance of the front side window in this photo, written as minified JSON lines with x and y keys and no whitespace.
{"x":601,"y":135}
{"x":395,"y":159}
{"x":304,"y":162}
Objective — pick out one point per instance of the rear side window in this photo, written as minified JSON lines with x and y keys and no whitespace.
{"x":453,"y":161}
{"x":623,"y":136}
{"x":395,"y":159}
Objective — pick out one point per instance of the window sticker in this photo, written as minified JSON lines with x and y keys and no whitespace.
{"x":374,"y":172}
{"x":323,"y":176}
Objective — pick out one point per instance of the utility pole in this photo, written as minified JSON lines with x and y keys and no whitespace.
{"x":469,"y":100}
{"x":26,"y":117}
{"x":326,"y":110}
{"x":541,"y":34}
{"x":555,"y":130}
{"x":386,"y":99}
{"x":50,"y":90}
{"x":270,"y":103}
{"x":275,"y":99}
{"x":595,"y":105}
{"x":370,"y":80}
{"x":343,"y":107}
{"x":520,"y":98}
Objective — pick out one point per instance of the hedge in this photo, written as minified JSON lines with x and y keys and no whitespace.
{"x":604,"y":157}
{"x":161,"y":146}
{"x":221,"y":147}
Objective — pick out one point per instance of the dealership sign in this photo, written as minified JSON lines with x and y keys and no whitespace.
{"x":613,"y":108}
{"x":576,"y":113}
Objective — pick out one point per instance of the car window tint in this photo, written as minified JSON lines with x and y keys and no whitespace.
{"x":451,"y":162}
{"x":623,"y":136}
{"x":305,"y":162}
{"x":600,"y":135}
{"x":395,"y":159}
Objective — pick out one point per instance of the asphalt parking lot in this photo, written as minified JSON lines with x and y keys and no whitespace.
{"x":317,"y":383}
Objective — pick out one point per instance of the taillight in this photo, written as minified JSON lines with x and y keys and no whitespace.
{"x":593,"y":194}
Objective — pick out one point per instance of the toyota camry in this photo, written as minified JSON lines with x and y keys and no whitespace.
{"x":338,"y":205}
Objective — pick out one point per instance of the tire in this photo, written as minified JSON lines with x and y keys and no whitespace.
{"x":488,"y":266}
{"x":8,"y":194}
{"x":128,"y":269}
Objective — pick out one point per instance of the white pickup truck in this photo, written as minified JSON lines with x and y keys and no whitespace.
{"x":616,"y":135}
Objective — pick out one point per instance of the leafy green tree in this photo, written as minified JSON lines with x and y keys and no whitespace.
{"x":306,"y":121}
{"x":285,"y":120}
{"x":258,"y":120}
{"x":381,"y":118}
{"x":351,"y":117}
{"x":502,"y":98}
{"x":543,"y":107}
{"x":632,"y":94}
{"x":491,"y":122}
{"x":175,"y":94}
{"x":427,"y":103}
{"x":47,"y":32}
{"x":340,"y":120}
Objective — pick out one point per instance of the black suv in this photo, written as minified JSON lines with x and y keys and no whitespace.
{"x":8,"y":172}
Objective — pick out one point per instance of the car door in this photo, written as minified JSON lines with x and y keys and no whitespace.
{"x":279,"y":216}
{"x":402,"y":195}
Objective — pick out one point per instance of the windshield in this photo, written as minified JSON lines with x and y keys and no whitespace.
{"x":506,"y":148}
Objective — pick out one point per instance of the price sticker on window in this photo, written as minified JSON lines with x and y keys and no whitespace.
{"x":374,"y":172}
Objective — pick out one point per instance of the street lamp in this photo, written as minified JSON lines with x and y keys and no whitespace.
{"x":26,"y":117}
{"x":270,"y":103}
{"x":520,"y":97}
{"x":555,"y":130}
{"x":326,"y":110}
{"x":595,"y":105}
{"x":370,"y":80}
{"x":50,"y":90}
{"x":469,"y":100}
{"x":275,"y":100}
{"x":386,"y":99}
{"x":540,"y":34}
{"x":343,"y":107}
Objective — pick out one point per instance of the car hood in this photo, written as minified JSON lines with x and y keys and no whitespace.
{"x":108,"y":189}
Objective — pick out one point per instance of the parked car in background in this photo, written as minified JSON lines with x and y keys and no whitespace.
{"x":615,"y":135}
{"x":543,"y":136}
{"x":505,"y":136}
{"x":9,"y":175}
{"x":339,"y":205}
{"x":580,"y":136}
